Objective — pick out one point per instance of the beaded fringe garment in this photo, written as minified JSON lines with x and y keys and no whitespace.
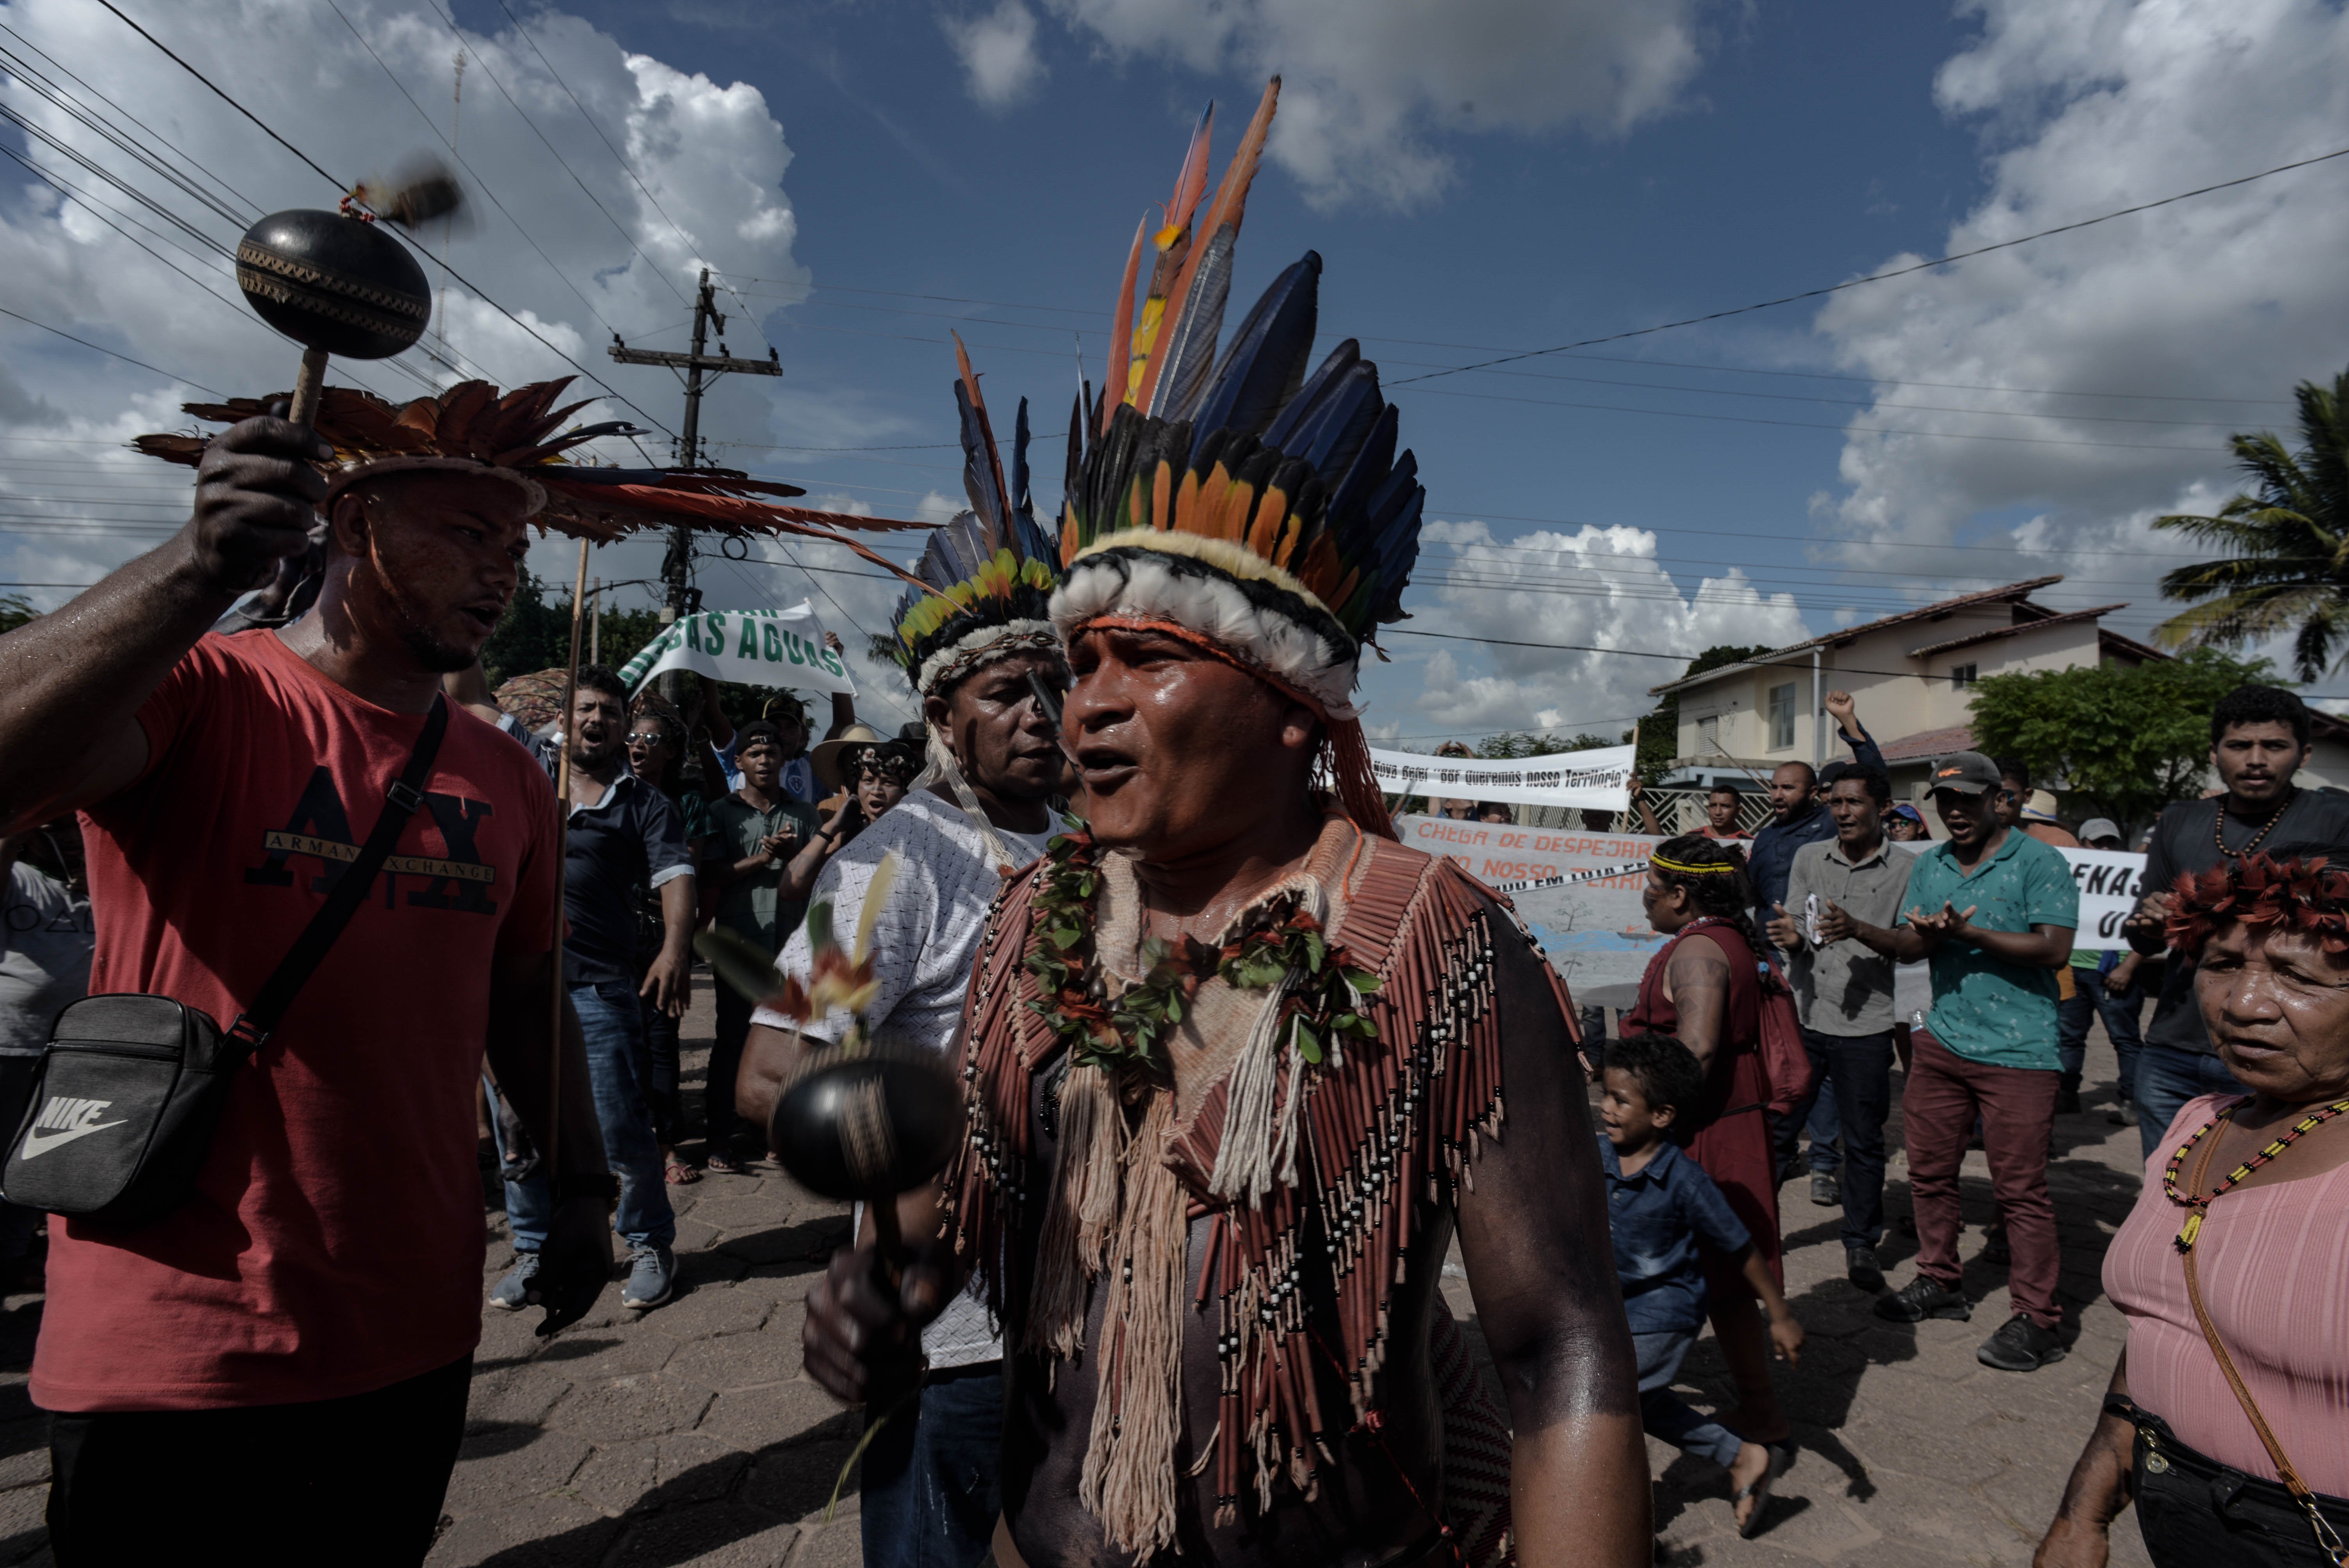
{"x":1397,"y":1121}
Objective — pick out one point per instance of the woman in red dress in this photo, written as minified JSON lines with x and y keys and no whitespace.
{"x":1704,"y":989}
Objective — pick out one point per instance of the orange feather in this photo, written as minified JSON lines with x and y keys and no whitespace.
{"x":1162,"y":487}
{"x":1121,"y":331}
{"x":1270,"y":513}
{"x":1184,"y":519}
{"x":1231,"y":200}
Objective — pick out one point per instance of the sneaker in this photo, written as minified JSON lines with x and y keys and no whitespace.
{"x":1825,"y":1191}
{"x":1921,"y":1298}
{"x":2067,"y":1102}
{"x":1862,"y":1269}
{"x":511,"y":1294}
{"x":2123,"y":1114}
{"x":2021,"y":1345}
{"x":652,"y":1277}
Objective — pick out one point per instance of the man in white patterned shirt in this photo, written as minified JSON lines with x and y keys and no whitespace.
{"x":930,"y":1484}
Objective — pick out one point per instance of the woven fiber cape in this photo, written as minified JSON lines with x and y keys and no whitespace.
{"x":1393,"y":1124}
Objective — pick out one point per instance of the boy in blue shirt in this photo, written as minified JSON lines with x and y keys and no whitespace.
{"x":1661,"y":1207}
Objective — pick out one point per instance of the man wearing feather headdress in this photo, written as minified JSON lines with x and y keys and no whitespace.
{"x":1234,"y":1058}
{"x":981,"y":655}
{"x":306,"y":1316}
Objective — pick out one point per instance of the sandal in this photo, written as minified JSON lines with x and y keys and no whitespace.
{"x":678,"y":1172}
{"x":1781,"y":1457}
{"x":722,"y":1162}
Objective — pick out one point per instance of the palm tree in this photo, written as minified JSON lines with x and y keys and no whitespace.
{"x":2291,"y":543}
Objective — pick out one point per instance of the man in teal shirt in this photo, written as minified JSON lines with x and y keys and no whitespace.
{"x":1994,"y":910}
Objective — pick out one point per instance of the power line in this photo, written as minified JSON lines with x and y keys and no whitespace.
{"x":527,"y":238}
{"x":86,"y":343}
{"x":1487,"y":349}
{"x":464,"y":282}
{"x":1893,"y":272}
{"x":221,"y":95}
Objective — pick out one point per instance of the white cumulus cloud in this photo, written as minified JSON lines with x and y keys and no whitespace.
{"x":997,"y":52}
{"x":701,"y":185}
{"x":1366,"y":85}
{"x":1598,"y":587}
{"x":2209,"y":310}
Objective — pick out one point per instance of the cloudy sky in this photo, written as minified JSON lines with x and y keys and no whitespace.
{"x":1485,"y":176}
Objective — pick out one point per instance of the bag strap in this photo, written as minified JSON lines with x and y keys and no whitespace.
{"x":257,"y":1023}
{"x":2327,"y":1540}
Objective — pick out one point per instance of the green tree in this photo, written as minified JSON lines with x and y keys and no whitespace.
{"x":15,"y":611}
{"x":2124,"y":741}
{"x":2288,"y":538}
{"x":1525,"y":743}
{"x":1660,"y":732}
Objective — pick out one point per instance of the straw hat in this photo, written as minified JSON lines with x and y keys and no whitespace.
{"x":831,"y":759}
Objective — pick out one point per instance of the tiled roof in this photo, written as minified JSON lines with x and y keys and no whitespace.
{"x":1927,"y":743}
{"x":2008,"y":594}
{"x":1994,"y":633}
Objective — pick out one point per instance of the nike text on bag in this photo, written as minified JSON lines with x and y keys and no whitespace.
{"x":132,"y":1086}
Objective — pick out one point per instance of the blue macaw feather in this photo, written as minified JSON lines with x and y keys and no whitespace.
{"x":1307,"y":405}
{"x":1191,"y":352}
{"x":1265,"y":365}
{"x":1367,"y":472}
{"x":979,"y":481}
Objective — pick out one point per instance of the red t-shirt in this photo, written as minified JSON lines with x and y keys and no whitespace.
{"x":334,"y":1245}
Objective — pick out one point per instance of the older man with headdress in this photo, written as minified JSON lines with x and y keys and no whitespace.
{"x":1236,"y":1060}
{"x":282,"y":1359}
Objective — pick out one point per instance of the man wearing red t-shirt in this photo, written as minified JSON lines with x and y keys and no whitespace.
{"x":281,"y":1364}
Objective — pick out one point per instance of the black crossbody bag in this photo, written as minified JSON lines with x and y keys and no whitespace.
{"x":131,"y":1088}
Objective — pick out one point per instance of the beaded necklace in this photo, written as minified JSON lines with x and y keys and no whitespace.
{"x":2196,"y":1207}
{"x":2219,"y":826}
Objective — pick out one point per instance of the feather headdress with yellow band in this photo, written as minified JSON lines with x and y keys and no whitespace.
{"x":1262,"y":512}
{"x":985,"y":582}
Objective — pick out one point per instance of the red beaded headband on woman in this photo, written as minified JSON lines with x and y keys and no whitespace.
{"x":2296,"y":894}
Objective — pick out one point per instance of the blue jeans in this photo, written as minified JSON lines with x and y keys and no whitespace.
{"x":1857,"y":1079}
{"x":2119,"y":1010}
{"x":933,"y":1474}
{"x":613,"y":1028}
{"x":1818,"y":1115}
{"x":2166,"y":1079}
{"x":1662,"y":1412}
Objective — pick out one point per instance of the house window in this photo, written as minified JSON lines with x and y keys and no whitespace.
{"x":1962,"y":676}
{"x":1782,"y":717}
{"x":1708,"y":734}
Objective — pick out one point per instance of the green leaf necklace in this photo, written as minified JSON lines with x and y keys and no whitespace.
{"x":1127,"y":1031}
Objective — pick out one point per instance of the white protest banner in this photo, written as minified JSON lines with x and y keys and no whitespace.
{"x":1580,"y":891}
{"x":756,"y":647}
{"x":1588,"y":917}
{"x":1598,"y":779}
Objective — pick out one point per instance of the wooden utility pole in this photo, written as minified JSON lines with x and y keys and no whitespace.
{"x":676,"y":567}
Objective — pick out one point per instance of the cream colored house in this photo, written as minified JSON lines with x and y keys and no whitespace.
{"x":1908,"y":674}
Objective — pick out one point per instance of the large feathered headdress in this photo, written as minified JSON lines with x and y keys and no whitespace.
{"x":987,"y":581}
{"x":990,"y":570}
{"x":1255,"y":510}
{"x":513,"y":439}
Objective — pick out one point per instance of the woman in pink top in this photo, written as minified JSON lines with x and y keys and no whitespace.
{"x":2258,"y":1187}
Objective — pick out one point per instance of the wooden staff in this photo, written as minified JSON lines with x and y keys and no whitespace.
{"x":561,"y":832}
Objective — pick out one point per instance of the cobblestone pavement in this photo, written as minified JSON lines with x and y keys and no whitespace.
{"x":689,"y":1435}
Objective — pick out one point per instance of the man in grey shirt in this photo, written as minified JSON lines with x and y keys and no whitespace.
{"x":1844,"y":991}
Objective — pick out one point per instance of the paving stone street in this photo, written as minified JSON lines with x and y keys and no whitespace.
{"x":691,"y":1436}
